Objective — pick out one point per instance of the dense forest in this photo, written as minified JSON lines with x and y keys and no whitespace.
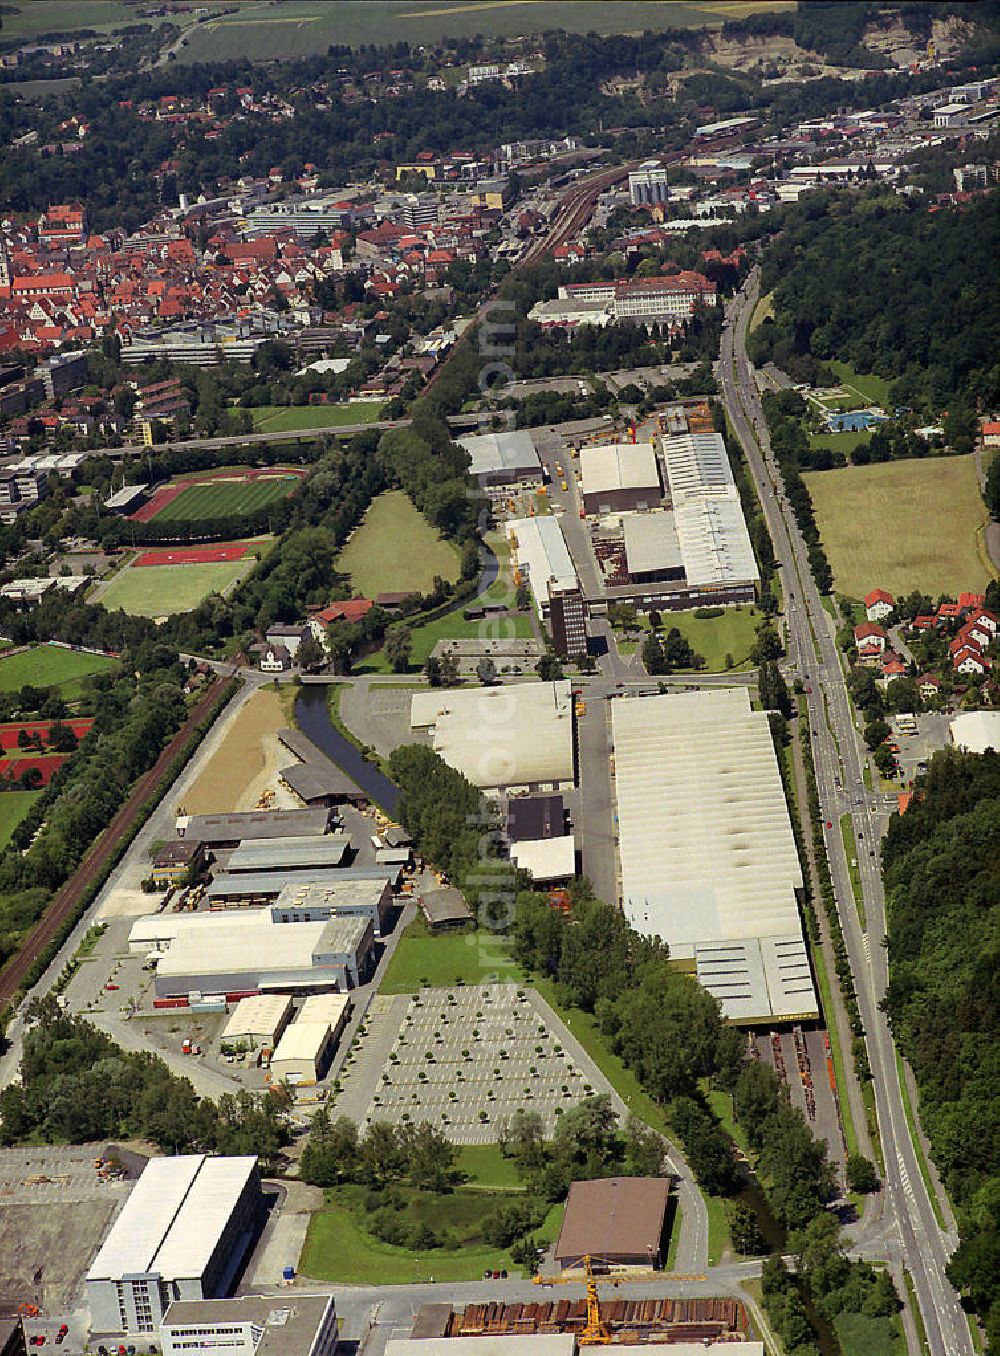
{"x":942,"y":875}
{"x":893,"y":288}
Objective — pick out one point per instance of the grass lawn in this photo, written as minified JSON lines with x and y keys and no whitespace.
{"x":201,"y":503}
{"x":30,"y":18}
{"x":764,"y":310}
{"x":487,"y":1168}
{"x":453,"y":626}
{"x":861,"y":1336}
{"x":287,"y":418}
{"x":395,"y":548}
{"x":50,"y":666}
{"x":902,"y":525}
{"x":871,"y":389}
{"x":14,"y":805}
{"x":713,"y":637}
{"x":458,"y":958}
{"x":841,"y":442}
{"x":160,"y":590}
{"x":338,"y":1247}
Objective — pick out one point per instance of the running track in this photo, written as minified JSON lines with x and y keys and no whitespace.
{"x":65,"y":900}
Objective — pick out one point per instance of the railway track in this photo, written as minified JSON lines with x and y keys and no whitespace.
{"x":64,"y":901}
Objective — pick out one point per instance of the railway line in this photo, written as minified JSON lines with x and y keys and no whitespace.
{"x":63,"y":903}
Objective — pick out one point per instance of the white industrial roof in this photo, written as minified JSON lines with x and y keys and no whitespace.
{"x":325,"y":1007}
{"x":714,"y":541}
{"x":516,"y":735}
{"x":546,"y":858}
{"x":165,"y":927}
{"x":495,"y":452}
{"x":261,"y":1014}
{"x":976,"y":731}
{"x":618,"y":466}
{"x":651,"y":542}
{"x":542,"y":556}
{"x":269,"y":946}
{"x":707,"y":852}
{"x":757,"y":977}
{"x":697,"y":463}
{"x":341,"y":894}
{"x":205,"y":1212}
{"x":301,"y":1040}
{"x":172,"y":1220}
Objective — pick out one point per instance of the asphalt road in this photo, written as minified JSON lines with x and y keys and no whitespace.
{"x":911,"y":1232}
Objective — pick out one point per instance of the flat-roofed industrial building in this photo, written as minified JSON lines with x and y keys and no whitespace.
{"x":303,"y":1054}
{"x":311,"y":901}
{"x":252,"y":1325}
{"x":257,"y":1021}
{"x":502,"y":460}
{"x":260,"y":887}
{"x":519,"y":736}
{"x":619,"y":478}
{"x":182,"y":1234}
{"x":708,"y":859}
{"x":223,"y":953}
{"x":542,"y":560}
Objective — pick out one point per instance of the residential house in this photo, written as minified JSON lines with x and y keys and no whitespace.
{"x":879,"y":604}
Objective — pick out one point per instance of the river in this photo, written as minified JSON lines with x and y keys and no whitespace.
{"x":312,"y":715}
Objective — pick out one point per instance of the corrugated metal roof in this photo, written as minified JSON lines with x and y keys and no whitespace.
{"x":188,"y":1246}
{"x":542,"y":556}
{"x":707,"y":851}
{"x":275,"y":853}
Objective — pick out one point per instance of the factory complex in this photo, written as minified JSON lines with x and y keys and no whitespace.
{"x":708,"y":858}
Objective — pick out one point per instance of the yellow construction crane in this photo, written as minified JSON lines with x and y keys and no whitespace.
{"x":596,"y":1333}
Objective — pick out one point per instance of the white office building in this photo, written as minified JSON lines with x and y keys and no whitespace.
{"x":252,"y":1325}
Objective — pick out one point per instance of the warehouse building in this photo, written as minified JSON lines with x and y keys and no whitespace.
{"x":708,"y":859}
{"x":252,"y":1325}
{"x":229,"y":830}
{"x":518,"y":737}
{"x":534,"y":817}
{"x":181,"y":1235}
{"x":303,"y":1054}
{"x":501,"y":461}
{"x":313,"y":901}
{"x":289,"y":854}
{"x":541,"y":559}
{"x":619,"y":478}
{"x":976,"y":731}
{"x":260,"y":887}
{"x":224,"y":953}
{"x":617,"y":1219}
{"x":175,"y":860}
{"x":549,"y":860}
{"x":257,"y":1022}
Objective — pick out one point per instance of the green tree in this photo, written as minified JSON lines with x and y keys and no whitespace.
{"x":398,"y":646}
{"x":862,"y":1175}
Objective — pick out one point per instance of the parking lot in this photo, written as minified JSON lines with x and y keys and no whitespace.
{"x":466,"y":1059}
{"x":915,"y":749}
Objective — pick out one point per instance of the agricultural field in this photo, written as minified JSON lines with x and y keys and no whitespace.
{"x":153,"y":590}
{"x":304,"y":27}
{"x":286,"y":418}
{"x":29,"y":18}
{"x":14,"y":805}
{"x":50,"y":666}
{"x":902,"y":525}
{"x":396,"y":548}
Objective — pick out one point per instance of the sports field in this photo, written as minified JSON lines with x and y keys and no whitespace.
{"x":50,"y":666}
{"x":902,"y":525}
{"x":161,"y":590}
{"x":286,"y":418}
{"x":210,"y":499}
{"x":395,"y":548}
{"x":296,"y":28}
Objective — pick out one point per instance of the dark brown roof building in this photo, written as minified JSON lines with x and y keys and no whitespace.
{"x":614,"y":1219}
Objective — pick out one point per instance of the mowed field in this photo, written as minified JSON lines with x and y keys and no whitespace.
{"x":395,"y":548}
{"x":14,"y":805}
{"x":295,"y":28}
{"x":225,"y":498}
{"x":160,"y":590}
{"x":287,"y":418}
{"x":902,"y":525}
{"x":50,"y":666}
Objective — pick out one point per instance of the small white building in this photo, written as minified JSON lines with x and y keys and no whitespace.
{"x":252,"y":1325}
{"x":303,"y":1054}
{"x":257,"y":1021}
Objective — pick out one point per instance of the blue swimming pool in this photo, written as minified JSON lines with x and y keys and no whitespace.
{"x":854,"y":421}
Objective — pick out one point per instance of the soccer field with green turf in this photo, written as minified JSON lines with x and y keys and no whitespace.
{"x":160,"y":590}
{"x":225,"y":499}
{"x":286,"y":418}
